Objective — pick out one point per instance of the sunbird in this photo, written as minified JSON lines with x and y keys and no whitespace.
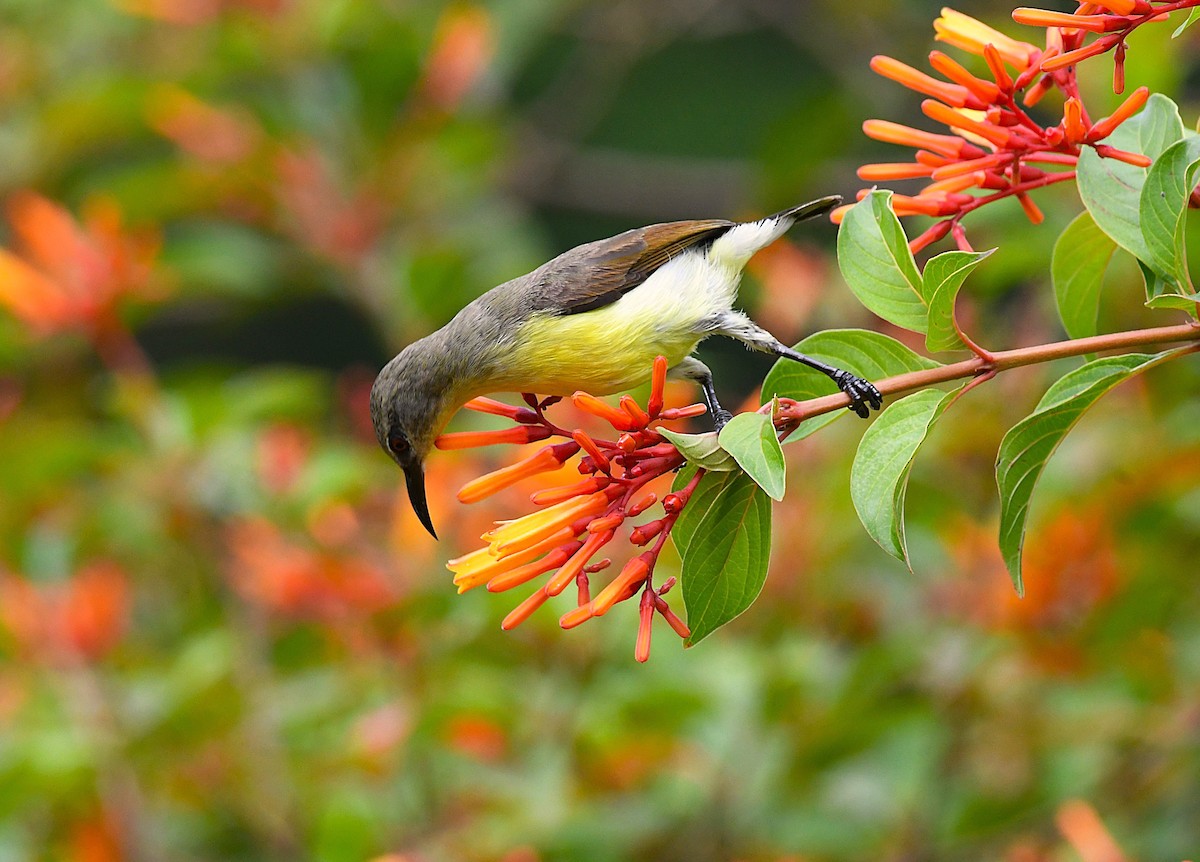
{"x":593,"y":318}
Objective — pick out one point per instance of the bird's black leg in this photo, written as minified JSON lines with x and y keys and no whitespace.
{"x":720,"y":415}
{"x":863,"y":394}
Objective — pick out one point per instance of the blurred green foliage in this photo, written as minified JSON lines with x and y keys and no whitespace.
{"x":224,"y":637}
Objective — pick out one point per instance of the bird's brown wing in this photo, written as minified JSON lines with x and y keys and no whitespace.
{"x":599,"y":273}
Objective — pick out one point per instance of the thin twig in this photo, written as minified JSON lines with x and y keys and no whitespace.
{"x":794,"y":412}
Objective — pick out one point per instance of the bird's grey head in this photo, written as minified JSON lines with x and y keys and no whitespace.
{"x":409,"y":404}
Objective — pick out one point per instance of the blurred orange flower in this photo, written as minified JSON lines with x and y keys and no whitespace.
{"x":211,"y":134}
{"x":298,"y":581}
{"x":463,"y":46}
{"x":477,"y":736}
{"x":190,"y":13}
{"x":1071,"y":567}
{"x":68,"y":275}
{"x":282,"y":450}
{"x":338,"y":224}
{"x":86,"y":616}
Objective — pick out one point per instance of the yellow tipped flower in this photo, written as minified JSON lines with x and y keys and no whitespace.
{"x":965,"y":122}
{"x":963,"y":31}
{"x":513,"y":536}
{"x":481,"y":566}
{"x":529,"y":571}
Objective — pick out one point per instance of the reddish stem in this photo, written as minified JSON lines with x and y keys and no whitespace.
{"x":794,"y":412}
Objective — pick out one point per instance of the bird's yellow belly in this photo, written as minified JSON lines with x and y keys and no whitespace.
{"x":600,"y":352}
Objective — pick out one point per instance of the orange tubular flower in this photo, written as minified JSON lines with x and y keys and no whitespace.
{"x":1070,"y":58}
{"x":590,"y":403}
{"x":1128,"y":108}
{"x":658,"y":383}
{"x":895,"y":133}
{"x":689,"y":412}
{"x":576,"y":521}
{"x":637,"y":415}
{"x":589,"y":445}
{"x":633,"y":575}
{"x":1135,"y":159}
{"x":472,"y":439}
{"x":1046,"y":18}
{"x":641,"y":651}
{"x":499,"y":408}
{"x":958,"y":120}
{"x":576,"y":616}
{"x":546,"y":459}
{"x":524,"y":610}
{"x":566,"y":492}
{"x":952,"y":94}
{"x":893,"y":171}
{"x":986,"y":91}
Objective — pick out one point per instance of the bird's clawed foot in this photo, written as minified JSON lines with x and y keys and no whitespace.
{"x":862,"y":392}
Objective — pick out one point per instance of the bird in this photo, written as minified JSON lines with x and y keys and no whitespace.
{"x":594,"y":318}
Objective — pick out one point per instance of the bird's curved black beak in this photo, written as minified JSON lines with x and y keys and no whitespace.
{"x":414,"y":478}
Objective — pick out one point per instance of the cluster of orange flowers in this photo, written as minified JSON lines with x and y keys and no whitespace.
{"x":72,"y":276}
{"x":576,"y":521}
{"x":995,"y":149}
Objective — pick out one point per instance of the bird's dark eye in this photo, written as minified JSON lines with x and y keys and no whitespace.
{"x":398,"y":443}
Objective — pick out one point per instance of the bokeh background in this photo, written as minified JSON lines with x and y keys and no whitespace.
{"x":224,"y":636}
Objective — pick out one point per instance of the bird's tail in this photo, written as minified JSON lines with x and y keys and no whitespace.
{"x":809,"y":210}
{"x":734,"y":247}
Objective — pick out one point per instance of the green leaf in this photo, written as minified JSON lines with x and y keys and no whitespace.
{"x":879,"y":477}
{"x":940,"y":282}
{"x":865,"y":353}
{"x":1081,"y":255}
{"x":1111,"y":189}
{"x":1188,"y":22}
{"x":1163,"y":292}
{"x":750,"y":438}
{"x":702,"y":450}
{"x":1164,"y":204}
{"x":726,"y":533}
{"x":875,"y":260}
{"x":1029,"y":444}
